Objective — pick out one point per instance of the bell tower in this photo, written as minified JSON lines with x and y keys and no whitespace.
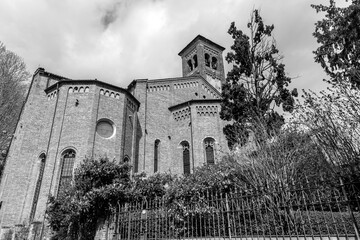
{"x":204,"y":57}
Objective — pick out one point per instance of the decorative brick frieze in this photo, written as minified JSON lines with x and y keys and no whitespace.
{"x":182,"y":114}
{"x":192,"y":84}
{"x":79,"y":89}
{"x":158,"y":88}
{"x":52,"y":95}
{"x":211,"y":51}
{"x":209,"y":110}
{"x":108,"y":93}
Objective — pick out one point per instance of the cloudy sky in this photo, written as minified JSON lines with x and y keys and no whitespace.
{"x":117,"y":41}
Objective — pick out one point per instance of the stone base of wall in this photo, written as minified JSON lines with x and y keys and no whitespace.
{"x":35,"y":231}
{"x":6,"y":233}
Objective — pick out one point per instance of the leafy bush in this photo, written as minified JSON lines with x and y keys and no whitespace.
{"x":97,"y":189}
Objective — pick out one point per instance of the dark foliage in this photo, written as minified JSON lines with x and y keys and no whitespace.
{"x":256,"y":84}
{"x":97,"y":189}
{"x":338,"y":34}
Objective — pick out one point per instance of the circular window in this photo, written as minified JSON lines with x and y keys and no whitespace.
{"x":105,"y":128}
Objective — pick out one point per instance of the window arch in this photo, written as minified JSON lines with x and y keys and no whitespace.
{"x":195,"y":61}
{"x":214,"y":63}
{"x":207,"y":60}
{"x":42,"y":159}
{"x":186,"y":156}
{"x":156,"y":155}
{"x":190,"y":64}
{"x":67,"y":165}
{"x":209,"y":150}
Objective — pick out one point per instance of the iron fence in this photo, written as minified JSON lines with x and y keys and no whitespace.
{"x":317,"y":211}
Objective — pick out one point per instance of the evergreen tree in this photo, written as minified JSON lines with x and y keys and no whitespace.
{"x":255,"y":85}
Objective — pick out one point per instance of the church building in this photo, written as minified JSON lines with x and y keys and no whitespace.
{"x":158,"y":125}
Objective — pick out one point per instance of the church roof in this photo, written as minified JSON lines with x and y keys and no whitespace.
{"x":65,"y":81}
{"x":162,"y":80}
{"x":201,"y":38}
{"x":194,"y":101}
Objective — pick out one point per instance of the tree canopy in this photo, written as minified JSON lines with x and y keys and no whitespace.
{"x":256,"y":84}
{"x":13,"y":77}
{"x":338,"y":34}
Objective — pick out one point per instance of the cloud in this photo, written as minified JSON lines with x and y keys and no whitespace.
{"x":119,"y":40}
{"x":110,"y":15}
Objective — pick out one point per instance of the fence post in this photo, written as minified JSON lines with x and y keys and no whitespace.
{"x":356,"y":227}
{"x":128,"y":207}
{"x":227,"y":214}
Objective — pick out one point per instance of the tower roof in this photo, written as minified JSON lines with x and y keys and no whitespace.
{"x":203,"y":39}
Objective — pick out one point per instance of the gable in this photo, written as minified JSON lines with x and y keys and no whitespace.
{"x":182,"y":89}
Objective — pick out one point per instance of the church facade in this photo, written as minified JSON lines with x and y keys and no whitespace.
{"x":159,"y":125}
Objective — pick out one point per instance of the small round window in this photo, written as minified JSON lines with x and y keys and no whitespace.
{"x":105,"y":128}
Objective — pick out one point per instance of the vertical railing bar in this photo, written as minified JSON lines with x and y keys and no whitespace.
{"x":274,"y":202}
{"x":260,"y":199}
{"x":284,"y":205}
{"x":155,"y":211}
{"x":118,"y":237}
{"x":149,"y":220}
{"x":204,"y":212}
{"x":233,"y":212}
{"x":192,"y":222}
{"x":279,"y":202}
{"x":227,"y":214}
{"x":265,"y":192}
{"x":238,"y":213}
{"x":299,"y":198}
{"x":254,"y":210}
{"x":200,"y":216}
{"x":318,"y":187}
{"x":248,"y":198}
{"x":213,"y":212}
{"x":221,"y":216}
{"x":129,"y":218}
{"x":332,"y":214}
{"x":306,"y":208}
{"x":188,"y":224}
{"x":354,"y":190}
{"x":243,"y":199}
{"x":210,"y":213}
{"x":290,"y":207}
{"x":355,"y":226}
{"x":300,"y":206}
{"x":338,"y":202}
{"x":311,"y":189}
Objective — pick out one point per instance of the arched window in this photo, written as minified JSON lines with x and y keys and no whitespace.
{"x":42,"y":159}
{"x":209,"y":150}
{"x":190,"y":64}
{"x":186,"y":156}
{"x":207,"y":60}
{"x":195,"y":61}
{"x":156,"y":155}
{"x":67,"y":165}
{"x":214,"y":63}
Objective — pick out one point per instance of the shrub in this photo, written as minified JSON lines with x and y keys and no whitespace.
{"x":97,"y":188}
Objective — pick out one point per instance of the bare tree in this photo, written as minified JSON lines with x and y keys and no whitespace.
{"x":13,"y":83}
